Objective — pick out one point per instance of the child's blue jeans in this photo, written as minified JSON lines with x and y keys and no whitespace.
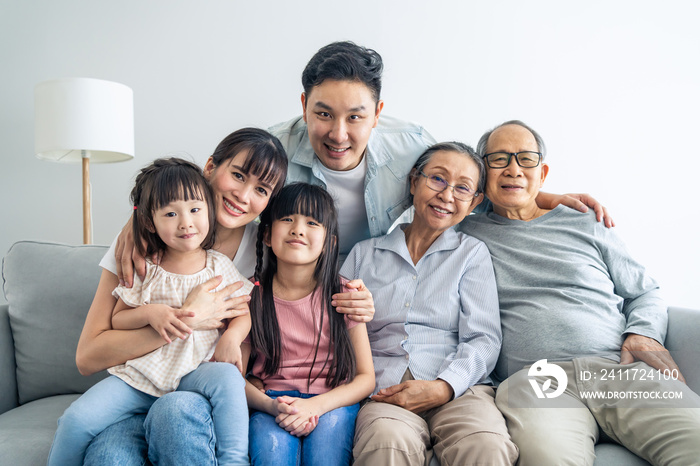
{"x":330,"y":443}
{"x":113,"y":400}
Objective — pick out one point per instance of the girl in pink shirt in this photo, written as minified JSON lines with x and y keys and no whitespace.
{"x":314,"y":363}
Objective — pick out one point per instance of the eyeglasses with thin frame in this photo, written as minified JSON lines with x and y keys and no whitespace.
{"x":526,"y":159}
{"x":461,"y":192}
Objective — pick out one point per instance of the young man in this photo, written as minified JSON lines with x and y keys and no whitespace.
{"x":341,"y":143}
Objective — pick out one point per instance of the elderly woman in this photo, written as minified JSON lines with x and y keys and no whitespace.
{"x":571,"y":294}
{"x":436,"y":332}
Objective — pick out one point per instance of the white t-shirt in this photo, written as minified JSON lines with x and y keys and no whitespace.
{"x":348,"y":188}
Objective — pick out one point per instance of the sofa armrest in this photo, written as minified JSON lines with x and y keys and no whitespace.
{"x":8,"y":369}
{"x":683,"y":343}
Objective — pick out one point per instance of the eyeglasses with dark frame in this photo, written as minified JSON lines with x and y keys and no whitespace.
{"x":437,"y":183}
{"x":526,"y":159}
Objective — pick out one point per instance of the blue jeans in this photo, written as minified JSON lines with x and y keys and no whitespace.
{"x":112,"y":401}
{"x":330,"y":443}
{"x":178,"y":430}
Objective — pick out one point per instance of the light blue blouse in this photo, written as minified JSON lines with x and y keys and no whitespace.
{"x":438,"y":318}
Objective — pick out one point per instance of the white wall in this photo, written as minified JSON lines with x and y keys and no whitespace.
{"x":613,"y":87}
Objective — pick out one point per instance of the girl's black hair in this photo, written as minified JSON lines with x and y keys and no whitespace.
{"x":315,"y":202}
{"x":160,"y":183}
{"x":266,"y":159}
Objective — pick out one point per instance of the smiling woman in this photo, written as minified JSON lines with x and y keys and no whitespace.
{"x":173,"y":216}
{"x":247,"y":168}
{"x":436,"y":333}
{"x":445,"y":188}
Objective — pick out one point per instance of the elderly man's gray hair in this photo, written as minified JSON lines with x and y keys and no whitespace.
{"x":481,"y":146}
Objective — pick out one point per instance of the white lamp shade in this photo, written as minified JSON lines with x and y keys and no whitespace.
{"x":83,"y":114}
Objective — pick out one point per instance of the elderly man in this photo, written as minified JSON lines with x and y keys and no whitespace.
{"x":579,"y":309}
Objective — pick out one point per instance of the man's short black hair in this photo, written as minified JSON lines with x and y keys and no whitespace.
{"x":344,"y":61}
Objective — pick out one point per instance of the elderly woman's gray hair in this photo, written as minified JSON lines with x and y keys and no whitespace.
{"x":454,"y":146}
{"x":481,"y":146}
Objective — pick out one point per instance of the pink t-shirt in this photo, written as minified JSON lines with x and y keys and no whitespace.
{"x":299,"y":322}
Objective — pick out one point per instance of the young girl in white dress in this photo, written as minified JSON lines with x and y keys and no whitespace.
{"x":174,"y":220}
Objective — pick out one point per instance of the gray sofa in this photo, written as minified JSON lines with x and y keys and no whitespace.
{"x":49,"y":288}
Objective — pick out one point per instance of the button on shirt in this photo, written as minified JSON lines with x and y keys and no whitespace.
{"x":438,"y":318}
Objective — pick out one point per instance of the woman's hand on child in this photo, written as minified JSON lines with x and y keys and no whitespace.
{"x":301,"y":422}
{"x":229,"y":350}
{"x":211,"y":308}
{"x":358,"y":305}
{"x":128,"y":257}
{"x":167,"y":321}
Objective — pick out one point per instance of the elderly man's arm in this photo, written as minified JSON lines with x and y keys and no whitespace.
{"x":638,"y":347}
{"x":647,"y":319}
{"x":644,"y":309}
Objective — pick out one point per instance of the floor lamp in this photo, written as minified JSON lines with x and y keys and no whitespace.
{"x":84,"y":120}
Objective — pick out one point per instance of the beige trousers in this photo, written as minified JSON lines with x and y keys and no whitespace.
{"x":468,"y":430}
{"x":630,"y":407}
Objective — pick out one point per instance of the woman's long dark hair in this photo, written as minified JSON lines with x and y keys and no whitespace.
{"x":315,"y":202}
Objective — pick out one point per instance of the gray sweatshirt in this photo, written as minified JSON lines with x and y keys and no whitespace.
{"x":567,"y":288}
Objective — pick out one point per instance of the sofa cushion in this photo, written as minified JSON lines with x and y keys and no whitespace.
{"x":683,"y":343}
{"x":8,"y":382}
{"x":49,"y":289}
{"x":26,"y":432}
{"x":612,"y":454}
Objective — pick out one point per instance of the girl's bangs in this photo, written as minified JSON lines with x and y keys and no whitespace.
{"x":177,"y":185}
{"x":259,"y":162}
{"x":301,"y":202}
